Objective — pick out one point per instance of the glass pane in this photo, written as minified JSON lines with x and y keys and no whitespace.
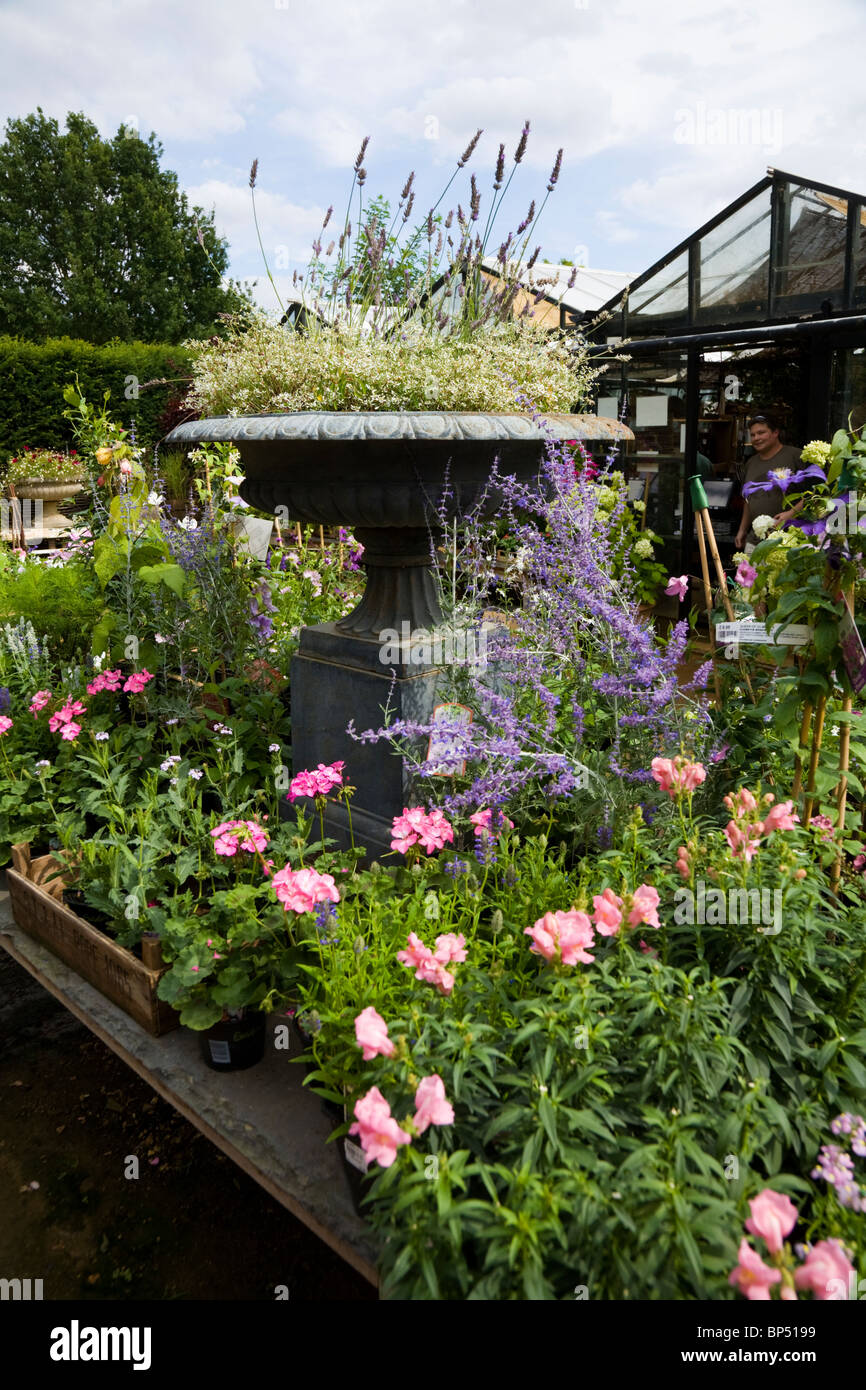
{"x":656,"y":397}
{"x":662,"y":299}
{"x":735,"y":265}
{"x":812,"y":268}
{"x":860,"y":259}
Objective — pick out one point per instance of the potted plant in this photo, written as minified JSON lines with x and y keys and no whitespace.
{"x":47,"y":476}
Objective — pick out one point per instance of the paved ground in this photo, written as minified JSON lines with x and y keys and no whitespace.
{"x":192,"y":1226}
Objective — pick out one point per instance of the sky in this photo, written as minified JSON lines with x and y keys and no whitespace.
{"x":665,"y":111}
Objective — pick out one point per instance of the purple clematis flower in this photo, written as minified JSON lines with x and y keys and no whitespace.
{"x":784,"y":479}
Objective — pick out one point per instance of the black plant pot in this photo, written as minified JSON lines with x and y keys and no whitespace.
{"x":234,"y":1044}
{"x":74,"y":899}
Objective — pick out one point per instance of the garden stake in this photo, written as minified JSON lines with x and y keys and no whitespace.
{"x":817,"y":737}
{"x":708,"y":600}
{"x":701,"y":509}
{"x":804,"y":739}
{"x":842,"y":789}
{"x":298,"y":533}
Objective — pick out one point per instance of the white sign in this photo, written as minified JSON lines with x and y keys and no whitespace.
{"x":751,"y":633}
{"x":440,"y":749}
{"x":651,"y":410}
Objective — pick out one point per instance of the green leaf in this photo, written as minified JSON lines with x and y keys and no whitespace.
{"x":171,"y":575}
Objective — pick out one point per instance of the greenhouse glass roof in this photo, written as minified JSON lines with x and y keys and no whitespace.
{"x":788,"y":249}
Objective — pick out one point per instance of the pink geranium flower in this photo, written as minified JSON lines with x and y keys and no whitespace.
{"x":379,"y":1133}
{"x":39,"y":701}
{"x":751,"y":1276}
{"x":318,"y":782}
{"x":431,"y":1106}
{"x":371,"y":1031}
{"x":136,"y":682}
{"x":773,"y":1217}
{"x":608,"y":915}
{"x":5,"y":724}
{"x":66,"y":714}
{"x":562,"y":937}
{"x":106,"y":680}
{"x":825,"y":1266}
{"x":678,"y":588}
{"x":417,"y":826}
{"x":781,"y":818}
{"x":70,"y":731}
{"x":481,"y":821}
{"x":644,"y":906}
{"x":299,"y":890}
{"x":239,"y":834}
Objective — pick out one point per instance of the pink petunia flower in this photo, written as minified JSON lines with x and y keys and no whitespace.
{"x":773,"y":1217}
{"x":746,"y":574}
{"x":431,"y":1106}
{"x":826,"y":1267}
{"x":379,"y":1133}
{"x":644,"y":906}
{"x":371,"y":1031}
{"x":299,"y":890}
{"x":751,"y":1276}
{"x":608,"y":915}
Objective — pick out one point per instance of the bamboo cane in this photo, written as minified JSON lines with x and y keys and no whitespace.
{"x":842,"y":789}
{"x":702,"y":515}
{"x":817,"y":739}
{"x":708,"y":601}
{"x":298,"y":533}
{"x":804,"y":740}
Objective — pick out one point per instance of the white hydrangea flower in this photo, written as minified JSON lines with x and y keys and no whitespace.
{"x":643,"y":547}
{"x":762,"y":525}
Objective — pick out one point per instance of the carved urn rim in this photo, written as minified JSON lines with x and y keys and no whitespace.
{"x":421,"y":425}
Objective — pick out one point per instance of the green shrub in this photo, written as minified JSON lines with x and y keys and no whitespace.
{"x":34,"y":374}
{"x":62,"y":602}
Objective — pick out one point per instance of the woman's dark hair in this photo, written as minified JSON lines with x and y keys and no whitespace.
{"x":766,"y":418}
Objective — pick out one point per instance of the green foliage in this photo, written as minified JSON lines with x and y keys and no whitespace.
{"x":32,"y":408}
{"x":61,"y":601}
{"x":98,"y":242}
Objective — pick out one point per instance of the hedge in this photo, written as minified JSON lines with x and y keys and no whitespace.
{"x":33,"y":375}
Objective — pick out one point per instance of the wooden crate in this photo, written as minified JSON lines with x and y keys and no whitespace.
{"x":118,"y":974}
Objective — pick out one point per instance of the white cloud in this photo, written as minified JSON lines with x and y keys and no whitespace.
{"x":287,"y":229}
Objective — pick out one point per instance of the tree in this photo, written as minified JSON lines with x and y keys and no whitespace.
{"x":98,"y":242}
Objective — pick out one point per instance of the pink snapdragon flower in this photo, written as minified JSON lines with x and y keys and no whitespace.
{"x":429,"y":966}
{"x":751,"y":1276}
{"x":39,"y":701}
{"x":106,"y":680}
{"x":644,"y":906}
{"x":450,"y":948}
{"x":781,"y":818}
{"x":379,"y":1133}
{"x":773,"y":1217}
{"x":431,"y":1106}
{"x":417,"y":826}
{"x":481,"y":821}
{"x":371,"y":1031}
{"x":826,"y":1265}
{"x":743,"y":844}
{"x":299,"y":890}
{"x":608,"y":914}
{"x":5,"y":724}
{"x":683,"y":863}
{"x":562,"y":937}
{"x":677,"y":775}
{"x":135,"y":683}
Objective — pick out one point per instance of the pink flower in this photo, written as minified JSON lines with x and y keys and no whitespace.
{"x":430,"y":968}
{"x":137,"y":681}
{"x":562,"y":937}
{"x":106,"y":680}
{"x":65,"y":715}
{"x":825,"y":1263}
{"x":647,"y":950}
{"x":742,"y":802}
{"x":774,"y":1216}
{"x":5,"y":724}
{"x":431,"y":1107}
{"x":371,"y":1030}
{"x":780,"y":818}
{"x":677,"y":775}
{"x":450,"y":948}
{"x":329,"y":776}
{"x":300,"y":889}
{"x":70,"y":731}
{"x":678,"y":587}
{"x":417,"y":826}
{"x":607,"y":915}
{"x":752,"y":1276}
{"x":304,"y":784}
{"x":825,"y":824}
{"x":742,"y":845}
{"x":746,"y":574}
{"x":644,"y":906}
{"x":683,"y":862}
{"x":481,"y":821}
{"x":39,"y":701}
{"x":233,"y":835}
{"x":125,"y":467}
{"x":379,"y":1133}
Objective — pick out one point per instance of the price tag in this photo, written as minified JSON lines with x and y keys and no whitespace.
{"x":853,"y":650}
{"x":749,"y":632}
{"x":441,"y":747}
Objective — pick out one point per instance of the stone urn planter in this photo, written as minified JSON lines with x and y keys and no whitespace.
{"x":394,"y":478}
{"x":49,"y":494}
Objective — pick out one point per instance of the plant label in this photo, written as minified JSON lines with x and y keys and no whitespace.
{"x":440,"y":749}
{"x":751,"y":633}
